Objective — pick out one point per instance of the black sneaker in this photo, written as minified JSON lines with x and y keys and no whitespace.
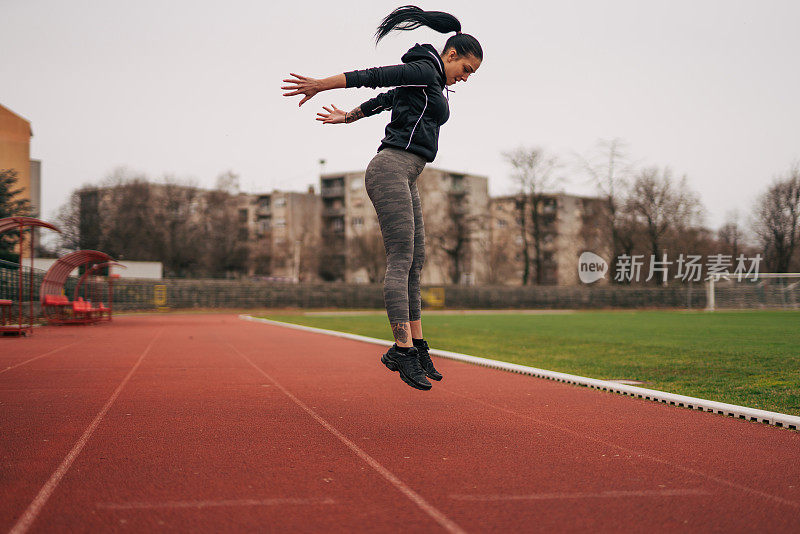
{"x":408,"y":366}
{"x":425,"y":361}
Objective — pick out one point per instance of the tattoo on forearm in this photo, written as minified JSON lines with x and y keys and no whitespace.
{"x":400,"y":334}
{"x":354,"y":115}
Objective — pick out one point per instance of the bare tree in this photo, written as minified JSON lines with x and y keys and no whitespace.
{"x":226,"y":250}
{"x":609,"y":169}
{"x":534,"y":172}
{"x":306,"y":233}
{"x":731,"y":235}
{"x":451,"y":234}
{"x":521,"y":209}
{"x":662,"y":205}
{"x":365,"y":250}
{"x":228,"y":182}
{"x":776,"y":220}
{"x":68,"y":220}
{"x":125,"y":216}
{"x":176,"y":212}
{"x":499,"y":261}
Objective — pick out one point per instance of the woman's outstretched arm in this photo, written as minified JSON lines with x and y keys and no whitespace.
{"x":303,"y":85}
{"x":335,"y":115}
{"x":371,"y":107}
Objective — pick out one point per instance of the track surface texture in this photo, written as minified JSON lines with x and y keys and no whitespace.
{"x":207,"y":423}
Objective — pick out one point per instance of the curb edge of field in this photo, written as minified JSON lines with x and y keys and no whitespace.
{"x":732,"y":410}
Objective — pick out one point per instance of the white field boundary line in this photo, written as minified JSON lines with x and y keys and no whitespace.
{"x":741,"y":412}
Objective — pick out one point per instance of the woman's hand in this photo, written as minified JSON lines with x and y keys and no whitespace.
{"x":302,"y":85}
{"x":334,"y":116}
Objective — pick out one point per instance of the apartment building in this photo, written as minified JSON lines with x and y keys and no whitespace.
{"x":273,"y":235}
{"x":15,"y":150}
{"x":334,"y":236}
{"x":454,"y":210}
{"x":284,"y":229}
{"x":568,"y":225}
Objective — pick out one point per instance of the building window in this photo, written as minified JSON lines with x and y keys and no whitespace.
{"x":338,"y":225}
{"x":280,"y":202}
{"x":501,"y":223}
{"x":358,"y":222}
{"x":279,"y":223}
{"x":333,"y":182}
{"x":243,"y":216}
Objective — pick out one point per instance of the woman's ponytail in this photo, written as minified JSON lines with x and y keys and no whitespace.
{"x":411,"y":17}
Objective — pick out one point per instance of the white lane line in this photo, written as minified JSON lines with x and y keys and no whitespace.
{"x":639,"y":454}
{"x":40,"y":356}
{"x":47,"y":490}
{"x":603,"y":494}
{"x":416,"y":498}
{"x":211,"y":504}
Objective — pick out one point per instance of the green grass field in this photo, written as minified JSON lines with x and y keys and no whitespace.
{"x":751,"y":358}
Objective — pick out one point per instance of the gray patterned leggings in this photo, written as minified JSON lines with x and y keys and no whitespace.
{"x":391,"y":182}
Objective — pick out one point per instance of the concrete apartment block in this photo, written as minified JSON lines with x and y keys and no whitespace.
{"x":35,"y":191}
{"x":454,"y":207}
{"x":280,"y":229}
{"x":284,"y":234}
{"x":568,"y":226}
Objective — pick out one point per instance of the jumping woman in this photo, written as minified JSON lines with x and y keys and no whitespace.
{"x":418,"y":110}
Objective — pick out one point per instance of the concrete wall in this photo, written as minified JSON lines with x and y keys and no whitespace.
{"x":134,"y":269}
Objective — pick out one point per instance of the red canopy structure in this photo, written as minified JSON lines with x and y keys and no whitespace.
{"x":51,"y":292}
{"x":93,"y":270}
{"x":21,"y":224}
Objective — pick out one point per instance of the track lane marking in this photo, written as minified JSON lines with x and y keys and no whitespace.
{"x":413,"y":496}
{"x":40,"y":356}
{"x":210,"y":504}
{"x":32,"y":512}
{"x":685,"y":469}
{"x":602,"y":494}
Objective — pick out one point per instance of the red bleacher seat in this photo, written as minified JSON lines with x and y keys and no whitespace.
{"x":56,"y":300}
{"x":4,"y":311}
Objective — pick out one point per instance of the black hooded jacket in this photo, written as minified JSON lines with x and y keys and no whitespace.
{"x":418,"y":106}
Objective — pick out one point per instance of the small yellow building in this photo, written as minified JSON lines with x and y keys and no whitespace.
{"x":15,"y":153}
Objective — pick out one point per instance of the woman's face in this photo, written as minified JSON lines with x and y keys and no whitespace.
{"x":458,"y":68}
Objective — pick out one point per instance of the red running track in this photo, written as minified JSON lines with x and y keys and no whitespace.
{"x":207,"y":423}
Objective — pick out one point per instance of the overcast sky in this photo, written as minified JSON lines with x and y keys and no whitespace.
{"x":191,"y":88}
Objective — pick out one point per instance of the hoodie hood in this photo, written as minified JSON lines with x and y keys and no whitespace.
{"x":428,"y":52}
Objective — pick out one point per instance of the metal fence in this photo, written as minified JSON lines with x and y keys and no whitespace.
{"x":181,"y":294}
{"x":9,"y":284}
{"x":142,"y":294}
